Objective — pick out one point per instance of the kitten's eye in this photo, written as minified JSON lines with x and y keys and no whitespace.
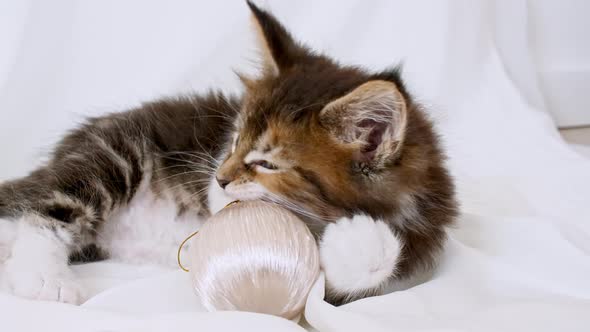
{"x":263,"y":163}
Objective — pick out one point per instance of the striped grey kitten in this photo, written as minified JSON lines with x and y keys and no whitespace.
{"x":349,"y":151}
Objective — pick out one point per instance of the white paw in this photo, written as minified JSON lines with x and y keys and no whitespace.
{"x":50,"y":283}
{"x":358,"y":254}
{"x":38,"y":264}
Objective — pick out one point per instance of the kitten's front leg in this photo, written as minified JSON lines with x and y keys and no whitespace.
{"x":358,"y":255}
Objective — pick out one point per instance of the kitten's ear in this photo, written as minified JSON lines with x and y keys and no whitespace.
{"x":279,"y":49}
{"x":248,"y":82}
{"x":372,"y":118}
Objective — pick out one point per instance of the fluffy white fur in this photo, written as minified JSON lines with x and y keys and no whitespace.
{"x":358,"y":254}
{"x":37,"y":267}
{"x":218,"y":199}
{"x":131,"y":232}
{"x":245,"y":191}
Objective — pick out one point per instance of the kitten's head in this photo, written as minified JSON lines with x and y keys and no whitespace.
{"x":323,"y":139}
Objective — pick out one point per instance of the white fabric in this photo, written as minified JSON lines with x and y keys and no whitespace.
{"x":518,"y":258}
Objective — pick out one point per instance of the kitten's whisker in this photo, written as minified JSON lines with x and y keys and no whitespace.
{"x":185,"y":165}
{"x":192,"y":162}
{"x":199,"y":192}
{"x":208,"y":163}
{"x":199,"y":181}
{"x":171,"y":166}
{"x":296,"y":208}
{"x":203,"y":156}
{"x":209,"y":174}
{"x":193,"y":154}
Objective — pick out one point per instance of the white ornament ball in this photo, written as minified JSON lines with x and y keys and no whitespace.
{"x":254,"y":256}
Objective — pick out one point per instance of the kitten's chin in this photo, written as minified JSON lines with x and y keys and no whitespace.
{"x":217,"y":197}
{"x":245,"y":192}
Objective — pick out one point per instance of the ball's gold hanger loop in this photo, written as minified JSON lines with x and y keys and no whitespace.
{"x":189,"y":237}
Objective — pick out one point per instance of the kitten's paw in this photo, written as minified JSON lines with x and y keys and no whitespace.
{"x":49,"y":284}
{"x":358,"y":256}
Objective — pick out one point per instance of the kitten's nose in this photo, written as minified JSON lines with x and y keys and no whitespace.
{"x":222,"y":182}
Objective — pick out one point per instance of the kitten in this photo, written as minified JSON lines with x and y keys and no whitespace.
{"x":347,"y":150}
